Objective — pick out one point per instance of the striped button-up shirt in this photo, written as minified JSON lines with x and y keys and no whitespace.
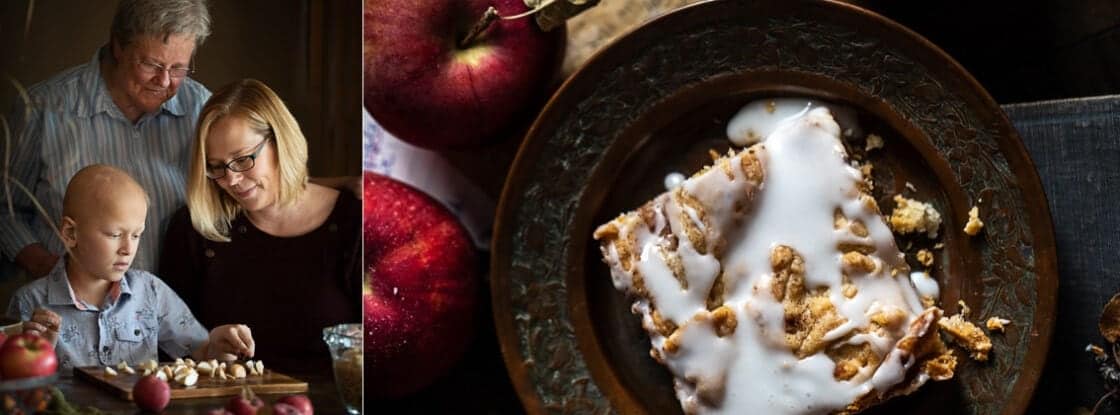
{"x":140,"y":314}
{"x":71,"y":123}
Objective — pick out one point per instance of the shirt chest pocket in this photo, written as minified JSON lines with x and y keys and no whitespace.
{"x":130,"y":333}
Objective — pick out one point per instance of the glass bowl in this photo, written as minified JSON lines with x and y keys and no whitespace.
{"x":345,"y":343}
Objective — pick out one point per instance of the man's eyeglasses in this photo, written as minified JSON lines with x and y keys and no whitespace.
{"x":237,"y":165}
{"x":153,"y":69}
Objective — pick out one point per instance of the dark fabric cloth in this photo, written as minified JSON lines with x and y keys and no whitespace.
{"x":1075,"y":145}
{"x":286,"y":289}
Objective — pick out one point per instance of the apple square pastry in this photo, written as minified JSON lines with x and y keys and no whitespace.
{"x":769,"y":282}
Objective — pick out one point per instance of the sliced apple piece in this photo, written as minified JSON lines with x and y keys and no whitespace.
{"x":187,"y":378}
{"x":204,"y":368}
{"x":237,"y":371}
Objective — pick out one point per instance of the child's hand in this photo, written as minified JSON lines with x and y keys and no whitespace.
{"x":44,"y":323}
{"x":230,"y":342}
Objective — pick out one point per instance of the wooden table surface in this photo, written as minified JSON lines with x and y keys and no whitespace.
{"x":81,"y":393}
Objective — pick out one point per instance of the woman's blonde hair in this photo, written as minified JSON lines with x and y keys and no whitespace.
{"x":211,"y":208}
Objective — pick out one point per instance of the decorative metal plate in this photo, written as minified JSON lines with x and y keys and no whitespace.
{"x":658,"y":98}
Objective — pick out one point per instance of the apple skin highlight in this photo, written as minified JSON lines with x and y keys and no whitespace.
{"x":420,"y":292}
{"x":427,"y":90}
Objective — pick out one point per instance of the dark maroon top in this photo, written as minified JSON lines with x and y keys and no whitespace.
{"x":285,"y":289}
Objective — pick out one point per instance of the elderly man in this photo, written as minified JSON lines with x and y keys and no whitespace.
{"x":132,"y":105}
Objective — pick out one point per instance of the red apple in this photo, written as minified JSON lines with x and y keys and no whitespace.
{"x":27,"y":355}
{"x":3,"y":338}
{"x":241,"y":406}
{"x":300,"y":402}
{"x":246,"y":403}
{"x":281,"y":408}
{"x":420,"y":291}
{"x":151,"y":393}
{"x":428,"y":85}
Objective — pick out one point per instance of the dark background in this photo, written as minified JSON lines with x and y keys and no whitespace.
{"x":1023,"y":50}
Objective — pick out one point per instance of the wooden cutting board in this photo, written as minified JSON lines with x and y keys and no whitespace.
{"x":206,"y":387}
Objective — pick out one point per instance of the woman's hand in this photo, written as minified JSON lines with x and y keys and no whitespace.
{"x":230,"y":342}
{"x":44,"y":323}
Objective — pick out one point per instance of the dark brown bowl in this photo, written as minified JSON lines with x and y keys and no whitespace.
{"x":658,"y":98}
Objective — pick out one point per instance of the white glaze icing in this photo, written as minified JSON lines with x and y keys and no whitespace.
{"x":807,"y":178}
{"x":926,"y":285}
{"x":758,"y":119}
{"x":673,"y":179}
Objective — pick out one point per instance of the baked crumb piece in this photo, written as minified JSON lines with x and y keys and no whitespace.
{"x":672,"y":343}
{"x":1096,"y":350}
{"x":974,"y":224}
{"x":968,"y":336}
{"x":911,"y":187}
{"x":890,"y":319}
{"x":724,"y":320}
{"x":928,"y":301}
{"x":912,"y":216}
{"x":846,"y":369}
{"x":942,"y":367}
{"x":965,"y":311}
{"x":925,"y":257}
{"x":664,"y":326}
{"x":868,"y":180}
{"x":858,"y":228}
{"x":997,"y":324}
{"x":856,"y":261}
{"x":873,"y":142}
{"x":656,"y":355}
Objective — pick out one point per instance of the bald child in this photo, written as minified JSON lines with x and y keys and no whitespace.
{"x":96,"y":310}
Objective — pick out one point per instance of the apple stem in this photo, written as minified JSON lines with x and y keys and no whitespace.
{"x":479,"y":26}
{"x":488,"y":18}
{"x":540,"y":7}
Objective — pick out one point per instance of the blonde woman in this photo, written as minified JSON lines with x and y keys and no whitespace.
{"x":257,"y":243}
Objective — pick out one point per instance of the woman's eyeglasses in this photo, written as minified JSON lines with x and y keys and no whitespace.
{"x":237,"y":165}
{"x":153,"y":69}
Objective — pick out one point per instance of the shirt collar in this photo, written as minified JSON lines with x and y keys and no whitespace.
{"x":59,"y":291}
{"x":121,"y":289}
{"x":102,"y":101}
{"x":173,"y":106}
{"x":58,"y":287}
